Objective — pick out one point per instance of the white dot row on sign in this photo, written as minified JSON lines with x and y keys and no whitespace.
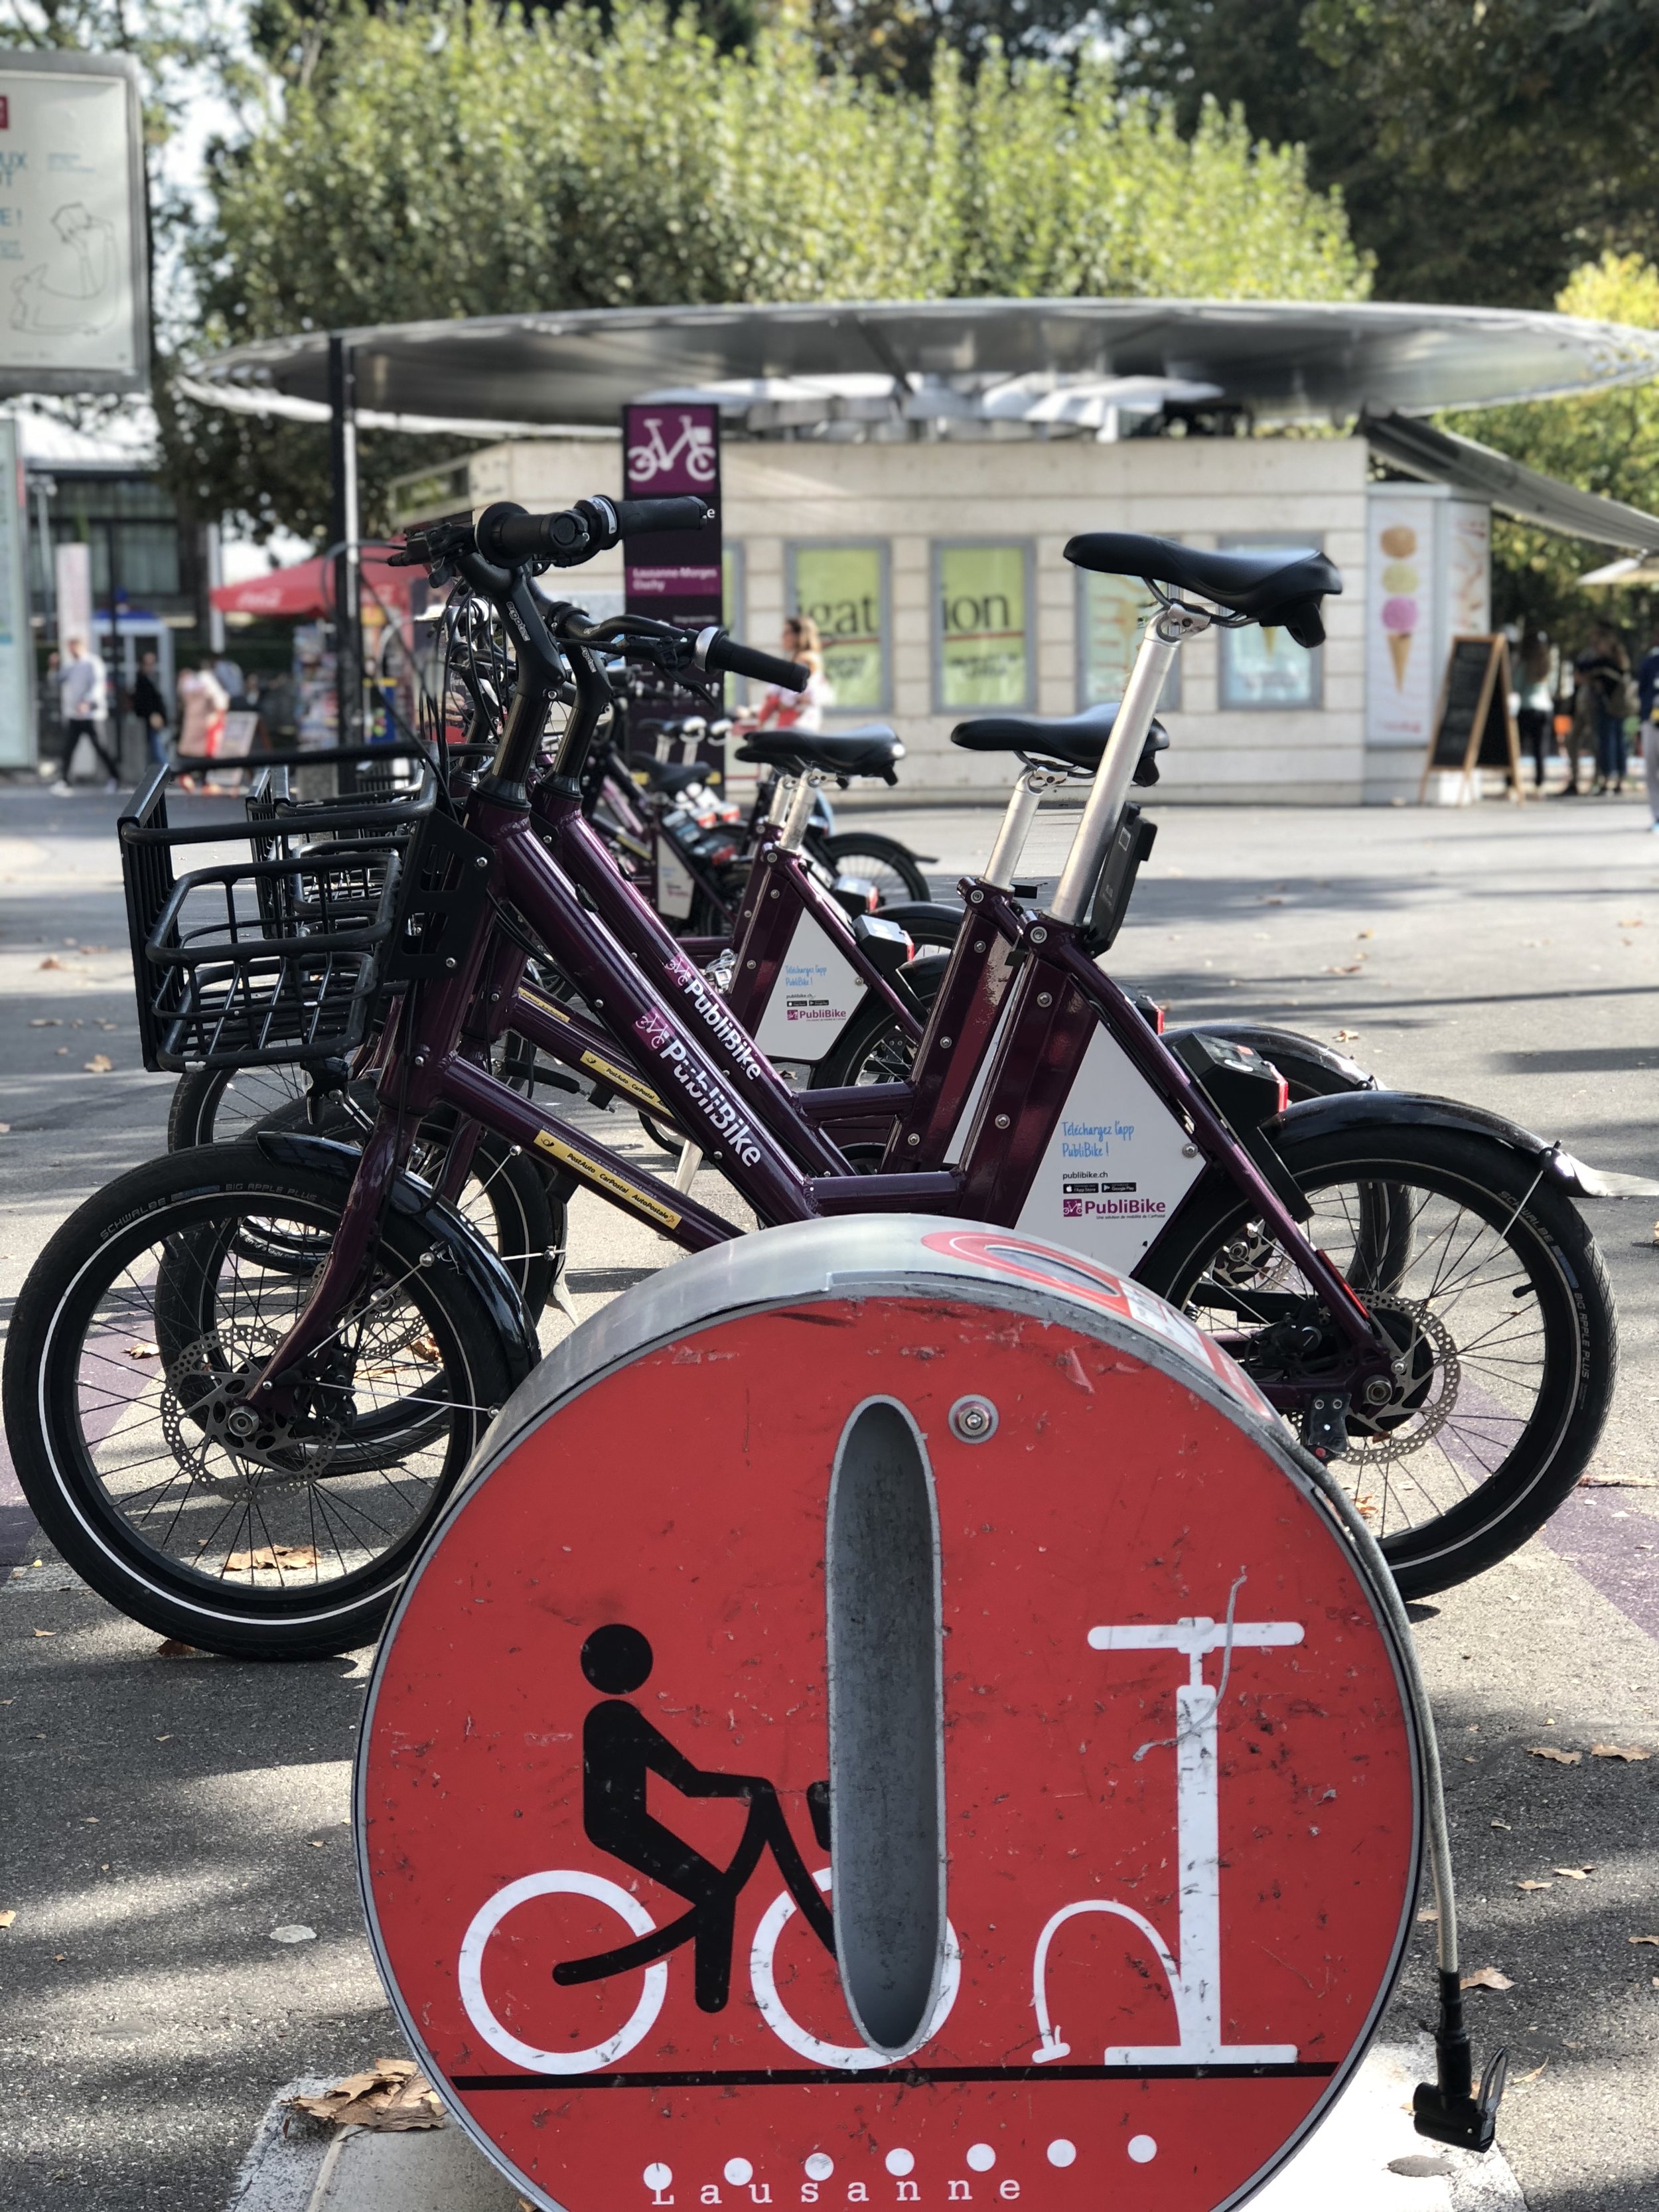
{"x":981,"y":2157}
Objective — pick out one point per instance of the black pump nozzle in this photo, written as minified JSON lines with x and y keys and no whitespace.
{"x":1450,"y":2110}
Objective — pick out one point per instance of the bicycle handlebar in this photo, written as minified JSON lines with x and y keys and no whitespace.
{"x":722,"y":655}
{"x":506,"y":535}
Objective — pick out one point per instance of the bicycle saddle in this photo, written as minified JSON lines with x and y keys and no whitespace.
{"x":1070,"y":740}
{"x":872,"y":750}
{"x":1279,"y":589}
{"x":675,"y":776}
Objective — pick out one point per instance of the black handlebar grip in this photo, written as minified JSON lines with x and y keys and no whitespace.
{"x":727,"y":657}
{"x":636,"y":516}
{"x":505,"y":534}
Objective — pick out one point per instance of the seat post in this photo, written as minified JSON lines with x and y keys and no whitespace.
{"x":800,"y":811}
{"x":1162,"y":640}
{"x":1023,"y":803}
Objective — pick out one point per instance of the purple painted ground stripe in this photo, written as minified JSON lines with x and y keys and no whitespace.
{"x":1597,"y":1531}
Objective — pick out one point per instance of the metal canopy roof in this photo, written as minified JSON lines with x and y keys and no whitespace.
{"x":1057,"y":364}
{"x":1443,"y":457}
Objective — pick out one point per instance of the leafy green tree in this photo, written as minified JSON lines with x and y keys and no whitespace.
{"x":1609,"y":444}
{"x":1482,"y":151}
{"x":451,"y":159}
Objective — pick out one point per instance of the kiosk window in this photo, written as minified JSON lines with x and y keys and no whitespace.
{"x":1112,"y":611}
{"x":1266,"y":667}
{"x":982,"y":598}
{"x":844,"y":590}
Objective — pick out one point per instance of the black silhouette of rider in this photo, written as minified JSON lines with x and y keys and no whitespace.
{"x":620,"y":1749}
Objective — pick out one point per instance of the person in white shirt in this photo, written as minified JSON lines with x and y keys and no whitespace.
{"x":83,"y":693}
{"x":796,"y":710}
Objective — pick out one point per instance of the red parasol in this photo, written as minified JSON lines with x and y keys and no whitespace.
{"x":307,"y":590}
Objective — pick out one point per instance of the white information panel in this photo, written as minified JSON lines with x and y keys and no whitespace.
{"x":16,"y":648}
{"x":74,"y":311}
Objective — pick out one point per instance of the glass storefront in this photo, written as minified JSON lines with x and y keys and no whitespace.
{"x":982,"y":598}
{"x":1111,"y":613}
{"x":843,"y":589}
{"x":1264,"y":667}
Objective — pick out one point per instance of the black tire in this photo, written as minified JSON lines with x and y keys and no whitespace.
{"x":508,"y":1198}
{"x":891,"y":867}
{"x":873,"y":1047}
{"x":1494,"y":1286}
{"x":281,"y":1548}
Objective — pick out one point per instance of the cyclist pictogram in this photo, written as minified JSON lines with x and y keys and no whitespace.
{"x":684,"y":450}
{"x":620,"y":1749}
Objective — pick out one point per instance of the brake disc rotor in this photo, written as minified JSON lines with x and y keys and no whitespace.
{"x":202,"y":1407}
{"x":1425,"y":1392}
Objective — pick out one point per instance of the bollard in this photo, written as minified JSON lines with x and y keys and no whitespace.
{"x":951,"y":1562}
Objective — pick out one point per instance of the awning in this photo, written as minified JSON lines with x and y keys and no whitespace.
{"x":306,"y":592}
{"x":1444,"y":457}
{"x":1010,"y":362}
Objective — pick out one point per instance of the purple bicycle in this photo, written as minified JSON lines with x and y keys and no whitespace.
{"x":244,"y":1380}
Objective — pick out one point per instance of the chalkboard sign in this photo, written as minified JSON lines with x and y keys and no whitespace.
{"x":1473,"y":725}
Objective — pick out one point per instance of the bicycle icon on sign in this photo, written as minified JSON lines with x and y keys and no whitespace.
{"x":693,"y":452}
{"x":621,"y":1747}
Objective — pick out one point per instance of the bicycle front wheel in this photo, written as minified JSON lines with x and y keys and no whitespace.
{"x":290,"y":1542}
{"x":1488,"y":1282}
{"x":891,"y":867}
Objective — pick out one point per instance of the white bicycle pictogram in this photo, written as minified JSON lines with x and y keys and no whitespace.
{"x":693,"y":450}
{"x":573,"y":1881}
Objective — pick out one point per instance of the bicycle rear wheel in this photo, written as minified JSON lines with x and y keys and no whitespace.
{"x":1491,"y":1286}
{"x":138,"y":1330}
{"x":891,"y":867}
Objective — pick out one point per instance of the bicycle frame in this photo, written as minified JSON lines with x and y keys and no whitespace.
{"x":1038,"y":1025}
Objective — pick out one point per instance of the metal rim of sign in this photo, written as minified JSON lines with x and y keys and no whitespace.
{"x":826,"y":1260}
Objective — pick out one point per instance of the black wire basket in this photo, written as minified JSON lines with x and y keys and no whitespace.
{"x":276,"y":957}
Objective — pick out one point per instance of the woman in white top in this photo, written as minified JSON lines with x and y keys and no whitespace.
{"x":796,"y":710}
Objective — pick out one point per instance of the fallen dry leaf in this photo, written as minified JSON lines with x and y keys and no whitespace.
{"x":99,"y":1064}
{"x":5,"y":1128}
{"x":1365,"y":932}
{"x":1273,"y":902}
{"x":1349,"y":968}
{"x":52,"y":961}
{"x":272,"y":1555}
{"x":1348,"y":1037}
{"x":1535,"y":1885}
{"x":1517,"y":2080}
{"x":1631,"y":921}
{"x":1574,"y":1873}
{"x":144,"y":1352}
{"x":45,"y":1021}
{"x":1561,"y":1757}
{"x":173,"y":1648}
{"x":1618,"y":1750}
{"x":1487,"y":1978}
{"x":1500,"y":1824}
{"x":46,"y":1631}
{"x":1620,"y":1481}
{"x":9,"y":1916}
{"x":390,"y":2097}
{"x":294,"y":1931}
{"x":1645,"y":1939}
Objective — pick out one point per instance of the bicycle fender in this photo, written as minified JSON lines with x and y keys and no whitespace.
{"x":459,"y":1242}
{"x":1337,"y":1071}
{"x":1350,"y":1109}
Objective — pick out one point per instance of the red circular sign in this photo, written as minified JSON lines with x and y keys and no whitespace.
{"x":1177,"y":1795}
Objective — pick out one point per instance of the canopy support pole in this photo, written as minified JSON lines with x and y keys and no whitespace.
{"x":345,"y":534}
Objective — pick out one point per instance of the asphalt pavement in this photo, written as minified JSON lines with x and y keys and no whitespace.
{"x":166,"y":1814}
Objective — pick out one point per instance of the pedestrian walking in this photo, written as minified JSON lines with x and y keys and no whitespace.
{"x":202,"y":703}
{"x":1535,"y":716}
{"x":1647,"y":705}
{"x":83,"y":694}
{"x":151,"y":707}
{"x":1603,"y":669}
{"x":796,"y":710}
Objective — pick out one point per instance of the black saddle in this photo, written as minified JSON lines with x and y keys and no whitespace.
{"x":1280,"y":590}
{"x":1071,"y":740}
{"x":873,"y":750}
{"x":675,"y":776}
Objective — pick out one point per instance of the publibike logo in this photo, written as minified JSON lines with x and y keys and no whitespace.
{"x":660,"y":1036}
{"x":1178,"y":1821}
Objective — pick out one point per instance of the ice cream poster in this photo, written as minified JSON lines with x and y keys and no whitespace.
{"x":1401,"y":651}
